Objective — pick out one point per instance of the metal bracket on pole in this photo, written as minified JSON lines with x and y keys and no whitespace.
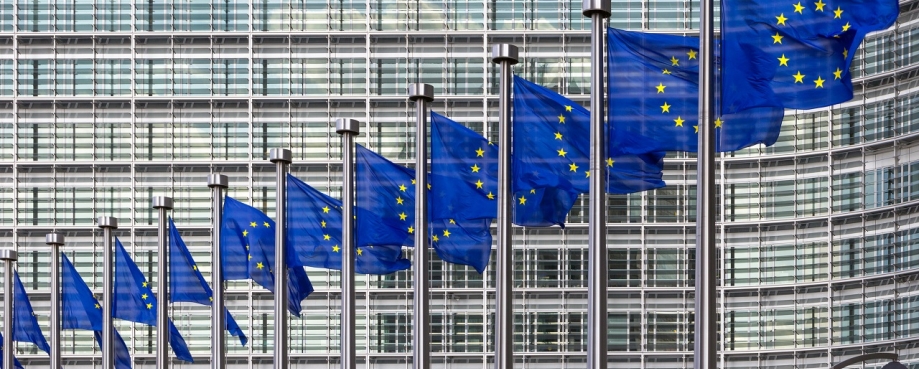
{"x":505,"y":55}
{"x":348,"y":129}
{"x":162,"y":204}
{"x":108,"y":224}
{"x":217,"y":183}
{"x":421,"y":94}
{"x":282,"y":159}
{"x":55,"y":240}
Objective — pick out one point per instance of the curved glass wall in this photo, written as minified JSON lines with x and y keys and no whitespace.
{"x":105,"y":104}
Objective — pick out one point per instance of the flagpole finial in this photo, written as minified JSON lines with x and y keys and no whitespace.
{"x":163,"y":202}
{"x":596,"y":6}
{"x":283,"y":155}
{"x":217,"y":180}
{"x":502,"y":52}
{"x":345,"y":125}
{"x":107,"y":222}
{"x":419,"y":90}
{"x":54,"y":239}
{"x":9,"y":254}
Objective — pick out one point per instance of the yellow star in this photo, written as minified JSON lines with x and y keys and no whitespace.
{"x":480,"y":153}
{"x":253,"y":224}
{"x":587,"y":174}
{"x":325,"y":209}
{"x":837,"y":14}
{"x":402,"y":216}
{"x":98,"y":307}
{"x":780,"y":19}
{"x":845,"y":27}
{"x":478,"y":183}
{"x":211,"y":298}
{"x":360,"y":252}
{"x":561,"y":119}
{"x":799,"y":78}
{"x":533,"y":190}
{"x":799,"y":8}
{"x":434,"y":238}
{"x":245,"y":233}
{"x":692,"y":54}
{"x":266,"y":225}
{"x":336,"y":248}
{"x":660,"y":88}
{"x":837,"y":74}
{"x":845,"y":53}
{"x":783,"y":61}
{"x":558,"y":135}
{"x":567,"y":107}
{"x":413,"y":181}
{"x":411,"y":229}
{"x":250,"y":257}
{"x":679,"y":121}
{"x":696,"y":128}
{"x":446,"y":233}
{"x":402,"y":187}
{"x":666,"y":71}
{"x":259,"y":265}
{"x":665,"y":108}
{"x":452,"y":221}
{"x":429,"y":186}
{"x":674,"y":61}
{"x":475,"y":168}
{"x":523,"y":200}
{"x":399,"y":200}
{"x":573,"y":167}
{"x":777,"y":38}
{"x":322,"y":223}
{"x":820,"y":4}
{"x":561,"y":152}
{"x":609,"y":162}
{"x":149,"y":306}
{"x":819,"y":82}
{"x":144,"y":296}
{"x":144,"y":284}
{"x":326,"y":237}
{"x":490,"y":196}
{"x":718,"y":122}
{"x":194,"y":267}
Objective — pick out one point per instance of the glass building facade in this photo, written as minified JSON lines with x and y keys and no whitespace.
{"x":106,"y":103}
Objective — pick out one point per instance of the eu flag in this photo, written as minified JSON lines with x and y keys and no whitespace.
{"x":385,"y":201}
{"x":247,"y":242}
{"x":464,"y":169}
{"x":186,"y":284}
{"x":135,"y":302}
{"x":16,"y":362}
{"x":811,"y":44}
{"x":314,"y":231}
{"x":25,"y":325}
{"x":80,"y":310}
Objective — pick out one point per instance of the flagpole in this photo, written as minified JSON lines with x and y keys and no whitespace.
{"x":162,"y":204}
{"x":348,"y":129}
{"x":108,"y":224}
{"x":706,"y":252}
{"x":9,"y":257}
{"x":421,"y":94}
{"x":505,"y":55}
{"x":217,"y":183}
{"x":282,"y":159}
{"x":55,"y":240}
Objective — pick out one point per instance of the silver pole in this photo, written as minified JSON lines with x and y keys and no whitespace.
{"x":162,"y":204}
{"x":217,"y":183}
{"x":281,"y":158}
{"x":421,"y":94}
{"x":598,"y":257}
{"x":108,"y":224}
{"x":55,"y":240}
{"x":505,"y":55}
{"x":9,"y":257}
{"x":706,"y":252}
{"x":348,"y":129}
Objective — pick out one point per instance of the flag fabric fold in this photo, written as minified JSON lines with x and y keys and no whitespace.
{"x":314,"y":223}
{"x":25,"y":324}
{"x":134,"y":300}
{"x":654,"y":96}
{"x":80,"y":310}
{"x":187,"y":284}
{"x":811,"y":45}
{"x":247,"y":243}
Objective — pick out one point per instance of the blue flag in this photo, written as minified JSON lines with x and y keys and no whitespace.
{"x":135,"y":301}
{"x":654,"y":96}
{"x":247,"y":241}
{"x":811,"y":44}
{"x":464,"y":172}
{"x":16,"y":362}
{"x":186,"y":284}
{"x":314,"y":231}
{"x":25,"y":324}
{"x":80,"y":310}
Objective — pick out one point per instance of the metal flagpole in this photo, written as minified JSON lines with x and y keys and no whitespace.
{"x":9,"y":257}
{"x":108,"y":224}
{"x":706,"y":270}
{"x":217,"y":183}
{"x":281,"y":158}
{"x":505,"y":55}
{"x":55,"y":240}
{"x":348,"y":129}
{"x":598,"y":257}
{"x":421,"y":94}
{"x":162,"y":204}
